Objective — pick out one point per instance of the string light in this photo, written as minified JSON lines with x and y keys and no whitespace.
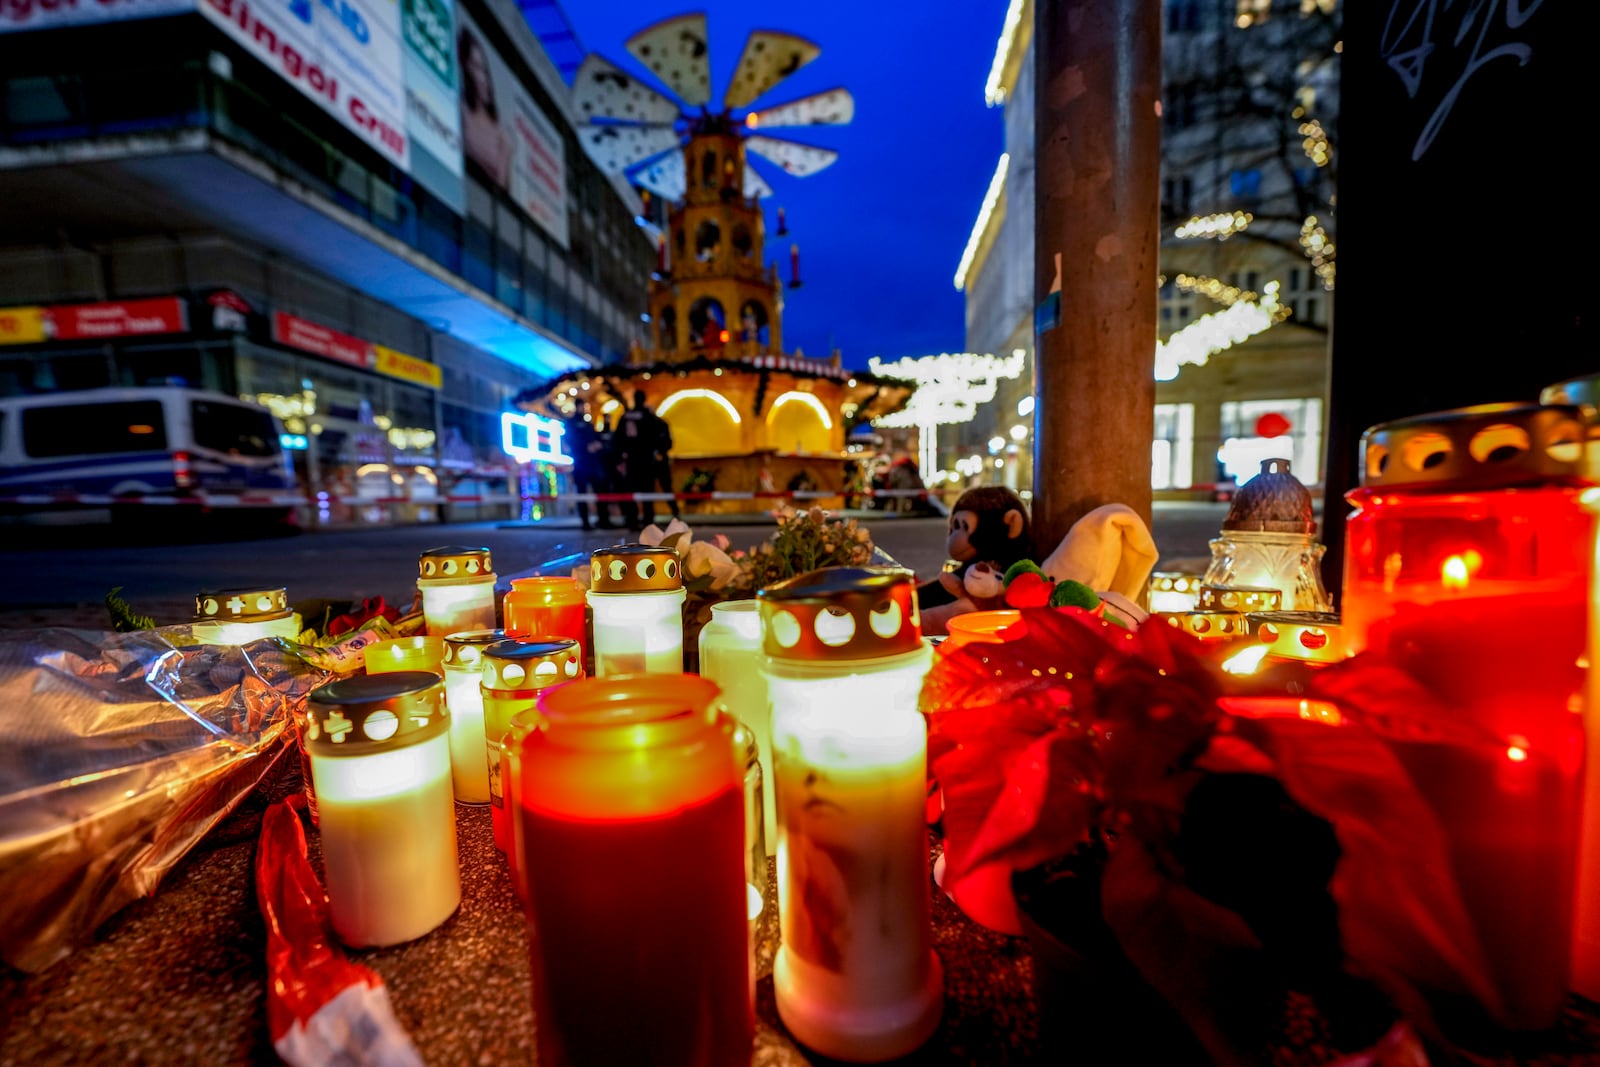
{"x":1209,"y":334}
{"x":1218,"y":290}
{"x":1315,"y":142}
{"x":1221,"y":226}
{"x":1319,"y":249}
{"x":991,"y":198}
{"x":950,"y":386}
{"x":993,"y":91}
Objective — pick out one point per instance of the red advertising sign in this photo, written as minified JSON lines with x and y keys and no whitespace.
{"x":321,"y":341}
{"x":122,"y":318}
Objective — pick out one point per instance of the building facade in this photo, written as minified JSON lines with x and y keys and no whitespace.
{"x":1244,"y":298}
{"x":374,"y":219}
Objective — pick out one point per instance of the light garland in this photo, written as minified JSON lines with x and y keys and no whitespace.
{"x":1315,"y":142}
{"x":296,"y":405}
{"x":1215,"y":288}
{"x":991,"y":198}
{"x":950,"y":386}
{"x":1320,"y":249}
{"x":1209,"y":334}
{"x":994,"y":93}
{"x":1220,"y":226}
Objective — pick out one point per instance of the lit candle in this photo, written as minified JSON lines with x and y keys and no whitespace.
{"x":380,"y":753}
{"x":522,"y":724}
{"x":420,"y":652}
{"x":632,"y":836}
{"x":1267,"y":542}
{"x":463,"y":693}
{"x":636,"y":593}
{"x":856,"y":977}
{"x":546,"y":607}
{"x":1468,"y":561}
{"x":1173,"y":591}
{"x":1308,"y":636}
{"x":457,"y":586}
{"x":237,"y":616}
{"x":731,"y":656}
{"x":755,"y":840}
{"x":514,"y":672}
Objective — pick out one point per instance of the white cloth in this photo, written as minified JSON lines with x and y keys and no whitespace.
{"x":1110,"y":549}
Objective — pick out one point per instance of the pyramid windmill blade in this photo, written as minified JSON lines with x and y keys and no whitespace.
{"x":601,"y":90}
{"x":665,"y":177}
{"x":769,"y":57}
{"x":836,"y":107}
{"x":677,"y":53}
{"x":755,"y":185}
{"x":801,"y":160}
{"x":616,"y":148}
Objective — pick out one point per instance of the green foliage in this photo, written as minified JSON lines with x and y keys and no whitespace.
{"x":1022,"y":566}
{"x":804,"y":541}
{"x":1070,"y":593}
{"x":124,"y":619}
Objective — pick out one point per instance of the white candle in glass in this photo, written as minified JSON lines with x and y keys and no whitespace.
{"x":457,"y":586}
{"x":239,"y":616}
{"x":380,"y":758}
{"x":636,"y":595}
{"x":731,"y":656}
{"x":463,"y":670}
{"x":856,"y":977}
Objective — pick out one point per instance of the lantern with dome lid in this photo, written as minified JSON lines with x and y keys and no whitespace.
{"x":856,"y":977}
{"x":1268,"y":542}
{"x":636,"y":593}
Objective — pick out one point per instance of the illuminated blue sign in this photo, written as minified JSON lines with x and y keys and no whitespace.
{"x":529,"y":438}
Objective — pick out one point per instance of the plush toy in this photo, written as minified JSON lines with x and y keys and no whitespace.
{"x":988,"y":525}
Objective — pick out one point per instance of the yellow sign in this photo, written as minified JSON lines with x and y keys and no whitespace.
{"x":408,"y":368}
{"x":21,"y":326}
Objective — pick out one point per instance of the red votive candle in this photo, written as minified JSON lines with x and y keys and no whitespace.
{"x":546,"y":607}
{"x":631,"y":828}
{"x":1467,"y":564}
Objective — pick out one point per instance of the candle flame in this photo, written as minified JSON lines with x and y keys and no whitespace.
{"x":1247,"y":661}
{"x":1517,"y":750}
{"x":1455,"y":574}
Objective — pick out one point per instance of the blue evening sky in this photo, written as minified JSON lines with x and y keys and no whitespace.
{"x":882,"y":230}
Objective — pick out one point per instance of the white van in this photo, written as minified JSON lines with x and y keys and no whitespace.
{"x":144,"y":445}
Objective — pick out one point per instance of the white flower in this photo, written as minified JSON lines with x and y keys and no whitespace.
{"x":703,"y":557}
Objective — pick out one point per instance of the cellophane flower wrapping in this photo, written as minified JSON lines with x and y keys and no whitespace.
{"x":118,"y":752}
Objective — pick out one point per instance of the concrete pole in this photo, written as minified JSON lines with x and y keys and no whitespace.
{"x":1097,"y":127}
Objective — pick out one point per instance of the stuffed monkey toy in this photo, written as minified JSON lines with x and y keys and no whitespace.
{"x":989,"y":529}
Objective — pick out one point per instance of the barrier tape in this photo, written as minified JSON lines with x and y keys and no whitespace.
{"x":268,"y":500}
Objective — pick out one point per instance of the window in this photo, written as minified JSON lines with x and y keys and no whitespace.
{"x":1183,"y":16}
{"x":1172,"y":451}
{"x":1294,"y":279}
{"x":1244,"y":446}
{"x":1311,"y":310}
{"x":1246,"y":184}
{"x":94,"y":429}
{"x":1250,"y":280}
{"x":1179,"y":195}
{"x":233,"y":429}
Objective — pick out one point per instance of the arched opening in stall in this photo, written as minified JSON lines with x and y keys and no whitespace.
{"x":753,"y":323}
{"x":800,"y":422}
{"x":706,"y":321}
{"x":703,"y":423}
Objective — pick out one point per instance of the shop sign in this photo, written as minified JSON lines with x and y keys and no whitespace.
{"x":321,"y":341}
{"x":408,"y":368}
{"x":230,"y":312}
{"x":530,"y":438}
{"x":49,"y":14}
{"x":21,"y":326}
{"x":121,"y":318}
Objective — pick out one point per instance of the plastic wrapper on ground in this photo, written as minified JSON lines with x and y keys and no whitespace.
{"x":118,"y":752}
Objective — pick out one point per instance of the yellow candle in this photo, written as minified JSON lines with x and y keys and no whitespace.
{"x":418,"y":653}
{"x":463,"y":669}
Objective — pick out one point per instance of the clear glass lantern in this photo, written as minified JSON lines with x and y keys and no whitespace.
{"x":633,"y":839}
{"x":463,"y":693}
{"x":856,"y":977}
{"x":380,"y":754}
{"x":457,"y":586}
{"x":513,"y":673}
{"x":636,"y":594}
{"x":238,"y":616}
{"x":1267,"y":541}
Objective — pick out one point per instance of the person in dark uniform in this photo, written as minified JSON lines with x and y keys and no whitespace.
{"x":634,"y":455}
{"x":658,"y":476}
{"x":590,"y":466}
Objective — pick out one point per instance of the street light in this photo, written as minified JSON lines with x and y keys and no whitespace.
{"x":1025,"y":406}
{"x":1018,"y":432}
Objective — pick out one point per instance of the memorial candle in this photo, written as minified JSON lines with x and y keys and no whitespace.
{"x":514,"y":672}
{"x":463,"y":693}
{"x":1467,"y":563}
{"x":731,"y":656}
{"x":457,"y":586}
{"x":546,"y":607}
{"x":856,"y":977}
{"x":632,"y":837}
{"x":636,"y":592}
{"x":420,"y":652}
{"x":236,"y":616}
{"x":380,"y":755}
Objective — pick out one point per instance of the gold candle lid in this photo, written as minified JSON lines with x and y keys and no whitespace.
{"x":241,"y":605}
{"x":1301,"y":634}
{"x":1176,"y":582}
{"x":634,"y":569}
{"x":841,"y":613}
{"x":1207,"y":624}
{"x":368,"y":712}
{"x":1583,"y":392}
{"x":455,"y":561}
{"x":1240,"y":598}
{"x":464,"y":650}
{"x":514,"y":664}
{"x":1492,"y":446}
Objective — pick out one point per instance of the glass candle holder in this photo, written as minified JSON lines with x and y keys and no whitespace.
{"x":380,"y":753}
{"x":1174,"y":591}
{"x":1308,"y":636}
{"x":1208,"y":625}
{"x":463,"y":693}
{"x":457,"y":587}
{"x":636,"y":593}
{"x":633,"y":838}
{"x":1468,"y":560}
{"x":731,"y":656}
{"x":1239,"y":598}
{"x":238,"y":616}
{"x":513,"y":674}
{"x":856,"y":977}
{"x":420,"y":652}
{"x":546,"y":607}
{"x":980,"y":627}
{"x":1288,"y":563}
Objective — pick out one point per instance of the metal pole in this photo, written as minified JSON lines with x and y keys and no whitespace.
{"x":1097,"y":128}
